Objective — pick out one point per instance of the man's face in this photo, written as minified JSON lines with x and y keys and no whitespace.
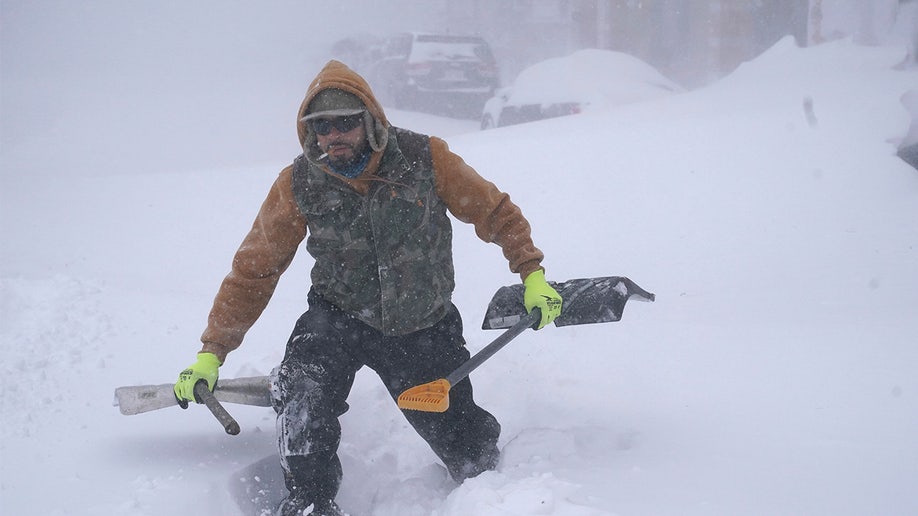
{"x":344,"y":138}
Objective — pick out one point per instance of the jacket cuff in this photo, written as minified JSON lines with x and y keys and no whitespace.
{"x":527,"y":268}
{"x":216,"y":349}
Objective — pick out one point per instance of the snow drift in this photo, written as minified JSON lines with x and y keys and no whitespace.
{"x":775,"y":374}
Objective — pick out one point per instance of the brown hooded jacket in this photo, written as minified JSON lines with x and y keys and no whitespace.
{"x":279,"y":227}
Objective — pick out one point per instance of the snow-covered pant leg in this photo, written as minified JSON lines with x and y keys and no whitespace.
{"x":465,"y":436}
{"x":310,"y":390}
{"x":325,"y":351}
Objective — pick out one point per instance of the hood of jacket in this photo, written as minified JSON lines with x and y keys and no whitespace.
{"x":336,"y":74}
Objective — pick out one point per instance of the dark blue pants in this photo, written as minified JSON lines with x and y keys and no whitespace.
{"x":325,"y":351}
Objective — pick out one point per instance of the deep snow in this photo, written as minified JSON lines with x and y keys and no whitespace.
{"x":777,"y":373}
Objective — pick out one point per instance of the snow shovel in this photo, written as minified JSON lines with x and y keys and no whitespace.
{"x":586,"y":301}
{"x":255,"y":390}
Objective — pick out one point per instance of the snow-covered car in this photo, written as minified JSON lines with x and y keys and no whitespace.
{"x":585,"y":80}
{"x":429,"y":71}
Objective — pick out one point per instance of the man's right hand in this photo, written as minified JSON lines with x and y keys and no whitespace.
{"x":206,"y":368}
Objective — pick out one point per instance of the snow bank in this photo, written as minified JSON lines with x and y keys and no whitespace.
{"x":775,"y":374}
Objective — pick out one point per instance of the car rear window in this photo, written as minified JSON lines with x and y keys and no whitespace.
{"x":443,"y":47}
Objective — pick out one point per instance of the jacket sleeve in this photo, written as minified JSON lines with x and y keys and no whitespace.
{"x":264,"y":255}
{"x":475,"y":200}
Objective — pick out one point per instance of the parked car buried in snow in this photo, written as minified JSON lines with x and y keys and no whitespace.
{"x":439,"y":73}
{"x":585,"y":80}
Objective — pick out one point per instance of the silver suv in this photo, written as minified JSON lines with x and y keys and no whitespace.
{"x":437,"y":73}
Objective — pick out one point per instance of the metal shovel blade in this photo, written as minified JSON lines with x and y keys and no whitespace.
{"x":137,"y":399}
{"x":586,"y":301}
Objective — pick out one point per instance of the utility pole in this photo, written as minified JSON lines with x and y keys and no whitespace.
{"x":604,"y":24}
{"x":815,"y":25}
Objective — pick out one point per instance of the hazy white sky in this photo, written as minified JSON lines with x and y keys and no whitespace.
{"x":148,"y":76}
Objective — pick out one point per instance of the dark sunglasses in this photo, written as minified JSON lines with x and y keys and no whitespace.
{"x":343,"y":124}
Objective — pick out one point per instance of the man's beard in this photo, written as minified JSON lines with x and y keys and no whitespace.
{"x":350,"y":167}
{"x":344,"y":162}
{"x":357,"y":155}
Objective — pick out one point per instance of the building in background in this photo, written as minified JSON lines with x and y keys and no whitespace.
{"x":692,"y":41}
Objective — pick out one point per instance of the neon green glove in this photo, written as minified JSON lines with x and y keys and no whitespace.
{"x":206,"y":368}
{"x":539,"y":293}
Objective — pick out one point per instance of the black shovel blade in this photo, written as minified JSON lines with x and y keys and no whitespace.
{"x":586,"y":301}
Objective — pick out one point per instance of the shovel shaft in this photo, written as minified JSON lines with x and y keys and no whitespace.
{"x":207,"y":397}
{"x":466,"y":368}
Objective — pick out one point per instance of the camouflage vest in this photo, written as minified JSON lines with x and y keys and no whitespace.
{"x":384,"y":257}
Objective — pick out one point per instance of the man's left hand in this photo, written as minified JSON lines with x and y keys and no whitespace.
{"x":538,"y":293}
